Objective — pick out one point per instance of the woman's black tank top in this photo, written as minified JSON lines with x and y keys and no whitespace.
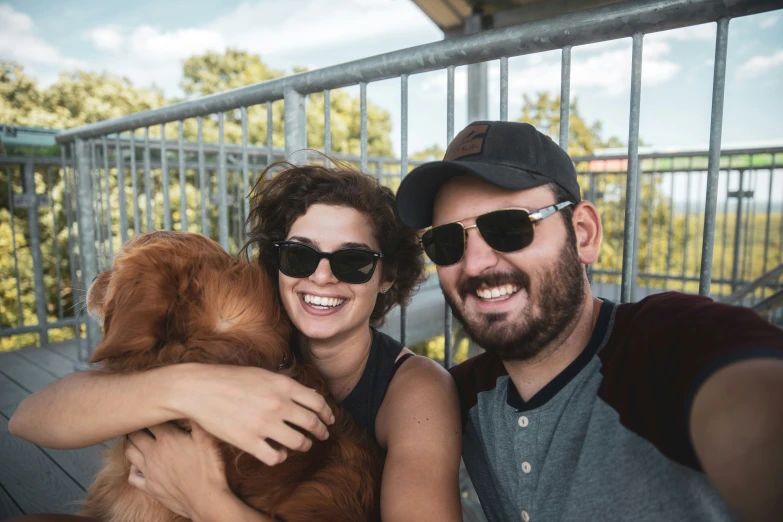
{"x":365,"y":399}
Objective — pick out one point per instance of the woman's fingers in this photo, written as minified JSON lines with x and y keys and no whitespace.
{"x":136,"y":478}
{"x":270,"y":456}
{"x":135,"y":457}
{"x":308,"y":421}
{"x":314,"y":401}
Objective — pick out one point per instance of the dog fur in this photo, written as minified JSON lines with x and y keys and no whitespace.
{"x":175,"y":297}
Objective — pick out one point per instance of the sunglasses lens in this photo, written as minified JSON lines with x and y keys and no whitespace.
{"x":506,"y":230}
{"x":297,"y":260}
{"x":445,"y":244}
{"x":353,"y":266}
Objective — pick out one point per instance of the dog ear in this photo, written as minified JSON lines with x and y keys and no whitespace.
{"x":135,"y":315}
{"x":125,"y":333}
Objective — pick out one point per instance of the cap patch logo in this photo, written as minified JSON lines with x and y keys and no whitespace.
{"x":467,"y":143}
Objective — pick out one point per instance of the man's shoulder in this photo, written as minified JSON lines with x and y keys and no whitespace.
{"x":474,"y":376}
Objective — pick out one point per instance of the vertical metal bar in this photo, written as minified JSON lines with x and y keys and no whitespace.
{"x":449,"y":104}
{"x":447,"y":317}
{"x":33,"y":226}
{"x":713,"y":167}
{"x":107,"y":175}
{"x":202,"y":179}
{"x":222,"y":189}
{"x":403,"y":173}
{"x":245,"y":170}
{"x":725,"y":225}
{"x":183,"y":193}
{"x":565,"y":91}
{"x":147,"y":178}
{"x":591,"y":192}
{"x":687,"y":232}
{"x":295,"y":122}
{"x":134,"y":185}
{"x":630,"y":242}
{"x":164,"y":177}
{"x":269,"y":133}
{"x":328,"y":122}
{"x":669,"y":234}
{"x":99,"y":199}
{"x":737,"y":233}
{"x":87,"y":252}
{"x":55,"y":246}
{"x":504,"y":88}
{"x":68,"y":194}
{"x":121,"y":198}
{"x":768,"y":221}
{"x":650,"y":236}
{"x":363,"y":124}
{"x":11,"y":210}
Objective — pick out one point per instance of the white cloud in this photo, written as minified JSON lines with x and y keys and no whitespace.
{"x":19,"y":42}
{"x":768,"y":20}
{"x":106,"y":38}
{"x":150,"y":44}
{"x":760,"y":64}
{"x":703,"y":32}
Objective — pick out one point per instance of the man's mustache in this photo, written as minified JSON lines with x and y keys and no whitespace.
{"x":471,"y":284}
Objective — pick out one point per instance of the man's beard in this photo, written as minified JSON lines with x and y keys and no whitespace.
{"x":559,"y":298}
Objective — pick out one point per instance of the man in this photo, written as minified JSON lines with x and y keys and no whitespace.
{"x":581,"y":409}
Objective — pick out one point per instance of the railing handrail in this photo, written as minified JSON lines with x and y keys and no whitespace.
{"x":610,"y":22}
{"x":753,"y":285}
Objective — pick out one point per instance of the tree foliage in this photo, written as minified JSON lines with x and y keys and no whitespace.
{"x":584,"y":138}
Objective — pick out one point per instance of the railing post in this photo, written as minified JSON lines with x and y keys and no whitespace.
{"x":87,"y":251}
{"x":478,"y":77}
{"x":713,"y":169}
{"x":295,"y":122}
{"x":31,"y":203}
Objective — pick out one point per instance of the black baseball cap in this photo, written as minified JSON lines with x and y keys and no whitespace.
{"x":509,"y":155}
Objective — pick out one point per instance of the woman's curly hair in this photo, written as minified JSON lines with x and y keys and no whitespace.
{"x":277,"y":202}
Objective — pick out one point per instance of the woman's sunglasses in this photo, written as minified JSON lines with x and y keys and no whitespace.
{"x":505,"y":230}
{"x":349,"y":265}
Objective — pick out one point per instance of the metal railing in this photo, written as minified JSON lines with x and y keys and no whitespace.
{"x":91,"y":145}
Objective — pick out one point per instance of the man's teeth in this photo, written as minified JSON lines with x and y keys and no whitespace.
{"x":323,"y":302}
{"x":496,"y":291}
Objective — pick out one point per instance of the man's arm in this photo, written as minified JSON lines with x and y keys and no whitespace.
{"x":736,"y":426}
{"x":419,"y":424}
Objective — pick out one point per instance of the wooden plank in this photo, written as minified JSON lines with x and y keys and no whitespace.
{"x":48,"y":361}
{"x":67,"y":349}
{"x":32,"y":479}
{"x":8,"y":508}
{"x":80,"y":464}
{"x":23,"y":372}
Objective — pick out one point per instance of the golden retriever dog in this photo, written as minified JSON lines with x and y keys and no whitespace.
{"x":175,"y":297}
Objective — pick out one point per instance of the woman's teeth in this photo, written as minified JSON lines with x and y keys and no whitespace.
{"x":322,"y":302}
{"x":497,"y":291}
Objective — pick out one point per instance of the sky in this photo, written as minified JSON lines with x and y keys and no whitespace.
{"x":147,"y":42}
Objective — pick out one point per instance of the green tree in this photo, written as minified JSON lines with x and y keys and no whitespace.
{"x":431,"y":153}
{"x":543,"y":111}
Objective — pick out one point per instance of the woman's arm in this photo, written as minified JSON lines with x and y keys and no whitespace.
{"x":419,"y":425}
{"x":185,"y":473}
{"x":240,"y":405}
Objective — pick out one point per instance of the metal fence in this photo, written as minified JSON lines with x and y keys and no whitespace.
{"x":102,"y":156}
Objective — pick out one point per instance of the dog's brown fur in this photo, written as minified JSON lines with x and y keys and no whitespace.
{"x":176,"y":297}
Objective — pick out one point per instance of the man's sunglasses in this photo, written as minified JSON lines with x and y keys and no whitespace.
{"x":349,"y":265}
{"x":505,"y":230}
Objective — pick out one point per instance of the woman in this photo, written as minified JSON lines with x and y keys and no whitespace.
{"x":408,"y":404}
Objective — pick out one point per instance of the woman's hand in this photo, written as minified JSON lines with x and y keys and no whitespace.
{"x":182,"y":471}
{"x":244,"y":406}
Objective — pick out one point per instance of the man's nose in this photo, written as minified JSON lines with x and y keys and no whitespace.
{"x":479,"y":256}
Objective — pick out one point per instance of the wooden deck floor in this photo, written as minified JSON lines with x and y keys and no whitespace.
{"x":35,"y":479}
{"x":40,"y":480}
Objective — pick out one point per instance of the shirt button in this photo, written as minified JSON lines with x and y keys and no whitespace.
{"x":525,"y":516}
{"x":526,"y":467}
{"x":523,"y":421}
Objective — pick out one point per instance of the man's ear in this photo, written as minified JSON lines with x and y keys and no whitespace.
{"x":588,"y":229}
